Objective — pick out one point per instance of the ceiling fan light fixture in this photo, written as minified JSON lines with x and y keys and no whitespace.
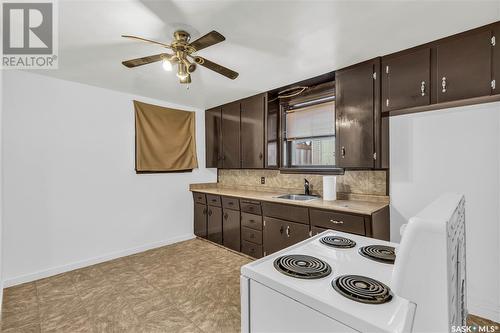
{"x":167,"y":65}
{"x":181,"y":72}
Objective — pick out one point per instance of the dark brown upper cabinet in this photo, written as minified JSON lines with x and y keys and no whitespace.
{"x":406,"y":79}
{"x":496,"y":60}
{"x":272,"y":147}
{"x":463,"y":66}
{"x":358,"y":115}
{"x":252,"y":131}
{"x":231,"y":158}
{"x":213,"y":138}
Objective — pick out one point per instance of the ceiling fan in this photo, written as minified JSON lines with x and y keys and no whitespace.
{"x":182,"y":49}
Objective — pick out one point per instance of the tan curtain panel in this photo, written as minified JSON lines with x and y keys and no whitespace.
{"x":165,"y":139}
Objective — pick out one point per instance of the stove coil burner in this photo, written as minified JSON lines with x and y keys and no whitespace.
{"x":338,"y":242}
{"x":379,"y":253}
{"x":302,"y":266}
{"x":362,"y":289}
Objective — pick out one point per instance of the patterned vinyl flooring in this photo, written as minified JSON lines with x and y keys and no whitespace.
{"x":192,"y":286}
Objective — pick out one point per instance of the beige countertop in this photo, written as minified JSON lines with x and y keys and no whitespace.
{"x":350,"y":206}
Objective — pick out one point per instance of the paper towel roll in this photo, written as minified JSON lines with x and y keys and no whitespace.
{"x":329,"y":188}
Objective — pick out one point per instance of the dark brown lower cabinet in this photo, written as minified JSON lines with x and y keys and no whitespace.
{"x":214,"y":225}
{"x":251,"y":249}
{"x":317,"y":230}
{"x":200,"y":220}
{"x":279,"y":234}
{"x":231,"y":229}
{"x":220,"y":220}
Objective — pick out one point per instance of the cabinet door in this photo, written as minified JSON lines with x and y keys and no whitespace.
{"x":279,"y":234}
{"x":272,"y":135}
{"x":200,"y":220}
{"x":214,"y":225}
{"x":496,"y":60}
{"x":355,"y":109}
{"x":464,"y":66}
{"x":295,"y":232}
{"x":273,"y":236}
{"x":406,"y":80}
{"x":252,"y":131}
{"x":231,"y":229}
{"x":213,"y":138}
{"x":231,"y":158}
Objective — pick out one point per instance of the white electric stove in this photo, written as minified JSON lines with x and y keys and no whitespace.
{"x":340,"y":282}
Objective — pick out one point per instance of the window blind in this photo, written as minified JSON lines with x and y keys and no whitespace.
{"x":311,"y":121}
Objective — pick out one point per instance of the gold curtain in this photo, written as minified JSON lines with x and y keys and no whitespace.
{"x":164,"y":139}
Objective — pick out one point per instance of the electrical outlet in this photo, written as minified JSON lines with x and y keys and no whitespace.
{"x":262,"y":180}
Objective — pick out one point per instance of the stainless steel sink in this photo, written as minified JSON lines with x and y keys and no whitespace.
{"x":299,"y":197}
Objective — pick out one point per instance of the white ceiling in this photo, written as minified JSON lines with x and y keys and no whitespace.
{"x":270,"y":43}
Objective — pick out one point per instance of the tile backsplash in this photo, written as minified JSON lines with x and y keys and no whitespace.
{"x":373,"y":183}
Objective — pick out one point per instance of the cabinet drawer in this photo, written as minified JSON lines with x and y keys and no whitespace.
{"x":286,"y":212}
{"x":251,"y":249}
{"x":251,"y":235}
{"x":199,"y":198}
{"x":230,"y":203}
{"x":213,"y":200}
{"x":250,"y":207}
{"x":338,"y":221}
{"x":251,"y":221}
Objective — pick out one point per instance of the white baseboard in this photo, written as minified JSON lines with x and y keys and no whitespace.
{"x":88,"y":262}
{"x":483,"y":308}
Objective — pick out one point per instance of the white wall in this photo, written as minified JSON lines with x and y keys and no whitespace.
{"x":454,"y":150}
{"x":1,"y":189}
{"x":71,"y":195}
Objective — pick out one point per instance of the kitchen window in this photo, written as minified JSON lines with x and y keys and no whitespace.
{"x":309,"y":134}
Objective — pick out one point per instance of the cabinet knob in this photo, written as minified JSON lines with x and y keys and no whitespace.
{"x":443,"y":84}
{"x":225,"y":216}
{"x":209,"y":212}
{"x":287,"y":231}
{"x":336,"y":222}
{"x":261,"y":156}
{"x":422,"y":88}
{"x":343,"y":152}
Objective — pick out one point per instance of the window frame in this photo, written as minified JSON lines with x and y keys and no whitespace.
{"x":285,"y":151}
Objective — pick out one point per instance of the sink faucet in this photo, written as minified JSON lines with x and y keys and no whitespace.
{"x":306,"y":187}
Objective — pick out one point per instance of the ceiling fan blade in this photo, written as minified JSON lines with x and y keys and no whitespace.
{"x":144,"y":60}
{"x":147,"y":40}
{"x":216,"y":67}
{"x":213,"y":37}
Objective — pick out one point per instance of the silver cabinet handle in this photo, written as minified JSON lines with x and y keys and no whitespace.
{"x":287,"y":231}
{"x":337,"y":222}
{"x":443,"y":84}
{"x":343,"y":152}
{"x":422,"y":88}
